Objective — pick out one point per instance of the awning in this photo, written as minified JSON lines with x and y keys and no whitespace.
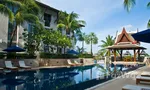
{"x":143,"y":36}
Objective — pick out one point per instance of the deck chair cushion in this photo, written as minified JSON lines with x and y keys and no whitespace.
{"x":146,"y":74}
{"x":142,"y":77}
{"x":9,"y":65}
{"x":22,"y":64}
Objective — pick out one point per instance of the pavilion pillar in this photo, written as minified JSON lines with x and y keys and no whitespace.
{"x":114,"y":55}
{"x":121,"y":55}
{"x":138,"y":54}
{"x":134,"y":55}
{"x":109,"y":52}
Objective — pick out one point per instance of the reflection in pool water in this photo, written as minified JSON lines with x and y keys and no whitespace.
{"x":52,"y":79}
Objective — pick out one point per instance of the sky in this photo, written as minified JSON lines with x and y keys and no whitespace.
{"x":106,"y":17}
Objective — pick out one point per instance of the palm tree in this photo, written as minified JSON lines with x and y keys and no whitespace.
{"x":91,"y":39}
{"x":108,"y":42}
{"x":69,"y":22}
{"x":81,"y":37}
{"x":27,"y":10}
{"x":128,"y":4}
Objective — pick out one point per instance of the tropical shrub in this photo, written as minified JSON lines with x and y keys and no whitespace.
{"x":57,"y":56}
{"x":86,"y":56}
{"x":20,"y":56}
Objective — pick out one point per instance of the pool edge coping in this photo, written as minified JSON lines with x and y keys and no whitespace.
{"x":98,"y":85}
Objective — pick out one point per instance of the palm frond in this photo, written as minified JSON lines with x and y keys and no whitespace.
{"x":20,"y":17}
{"x":148,"y":24}
{"x":6,"y":11}
{"x":82,"y":22}
{"x":10,"y":2}
{"x":30,"y":18}
{"x":148,"y":5}
{"x":60,"y":25}
{"x":128,"y":4}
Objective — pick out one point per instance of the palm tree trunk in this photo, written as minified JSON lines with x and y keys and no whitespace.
{"x":91,"y":48}
{"x":12,"y":35}
{"x":82,"y":47}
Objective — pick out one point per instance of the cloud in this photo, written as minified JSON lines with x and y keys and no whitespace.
{"x":127,"y":27}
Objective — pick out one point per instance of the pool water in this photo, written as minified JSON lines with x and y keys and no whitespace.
{"x":81,"y":77}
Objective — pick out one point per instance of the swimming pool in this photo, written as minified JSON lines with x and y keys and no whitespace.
{"x":77,"y":78}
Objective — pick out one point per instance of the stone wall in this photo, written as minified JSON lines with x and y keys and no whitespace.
{"x":63,"y":62}
{"x":54,"y":62}
{"x":46,"y":62}
{"x":88,"y":61}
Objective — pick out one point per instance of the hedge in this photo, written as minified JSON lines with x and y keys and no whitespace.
{"x":20,"y":56}
{"x":64,"y":56}
{"x":86,"y":56}
{"x":57,"y":56}
{"x":16,"y":55}
{"x":43,"y":55}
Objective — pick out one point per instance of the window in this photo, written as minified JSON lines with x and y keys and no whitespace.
{"x":30,"y":28}
{"x":47,"y":18}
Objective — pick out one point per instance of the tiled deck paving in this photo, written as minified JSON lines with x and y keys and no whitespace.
{"x":118,"y":83}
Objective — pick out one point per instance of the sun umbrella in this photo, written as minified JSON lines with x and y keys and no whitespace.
{"x":72,"y":52}
{"x":14,"y":49}
{"x":142,"y":36}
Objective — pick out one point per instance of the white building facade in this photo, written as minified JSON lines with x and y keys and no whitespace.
{"x":48,"y":18}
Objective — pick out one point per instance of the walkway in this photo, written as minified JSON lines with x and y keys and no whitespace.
{"x":118,"y":83}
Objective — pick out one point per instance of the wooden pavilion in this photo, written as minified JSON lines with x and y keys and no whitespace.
{"x":125,"y":41}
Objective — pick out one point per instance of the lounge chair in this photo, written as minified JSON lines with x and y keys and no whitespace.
{"x":146,"y":60}
{"x":135,"y":87}
{"x":70,"y":63}
{"x":9,"y":65}
{"x":22,"y":65}
{"x":142,"y":78}
{"x":77,"y":63}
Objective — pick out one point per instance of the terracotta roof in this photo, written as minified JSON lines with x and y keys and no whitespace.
{"x":125,"y":37}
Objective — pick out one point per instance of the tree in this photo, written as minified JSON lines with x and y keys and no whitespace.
{"x":81,"y":37}
{"x":27,"y":10}
{"x":70,"y":22}
{"x":108,"y":42}
{"x":91,"y":39}
{"x":33,"y":38}
{"x":64,"y":42}
{"x":128,"y":4}
{"x":55,"y":37}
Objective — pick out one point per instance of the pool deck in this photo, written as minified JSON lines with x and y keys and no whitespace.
{"x":126,"y":63}
{"x":118,"y":83}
